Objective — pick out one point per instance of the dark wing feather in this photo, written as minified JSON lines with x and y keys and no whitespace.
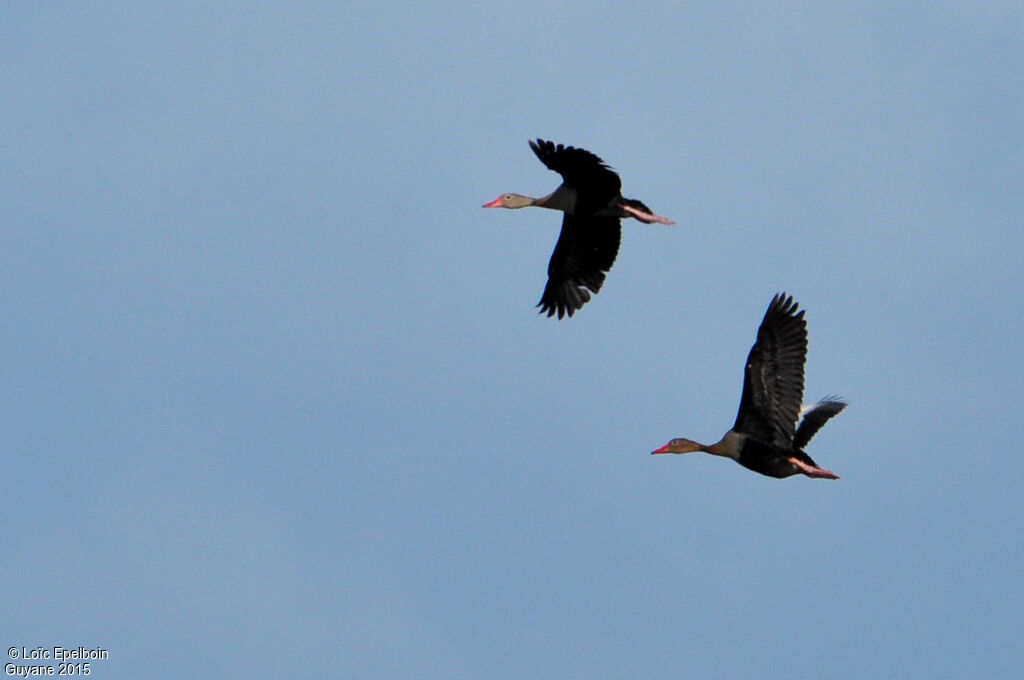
{"x":586,"y":249}
{"x":813,"y":420}
{"x":773,"y":384}
{"x":597,"y":186}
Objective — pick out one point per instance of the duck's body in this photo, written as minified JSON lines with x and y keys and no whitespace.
{"x":774,"y":461}
{"x":766,"y":437}
{"x":591,"y":201}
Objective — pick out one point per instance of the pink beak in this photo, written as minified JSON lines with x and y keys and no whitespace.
{"x":496,"y":203}
{"x":663,"y":449}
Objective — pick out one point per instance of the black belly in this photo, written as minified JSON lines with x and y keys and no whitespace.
{"x":770,"y":460}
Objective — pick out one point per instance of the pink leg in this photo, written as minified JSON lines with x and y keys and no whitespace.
{"x":646,"y":217}
{"x":812,"y":471}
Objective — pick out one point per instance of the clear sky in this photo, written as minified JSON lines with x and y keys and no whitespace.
{"x":276,"y":402}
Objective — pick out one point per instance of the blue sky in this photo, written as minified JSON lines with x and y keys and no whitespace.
{"x":276,"y":399}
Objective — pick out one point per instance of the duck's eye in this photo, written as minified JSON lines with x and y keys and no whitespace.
{"x":507,"y":197}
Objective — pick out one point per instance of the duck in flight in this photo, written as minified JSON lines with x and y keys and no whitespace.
{"x":591,"y":199}
{"x":766,"y":437}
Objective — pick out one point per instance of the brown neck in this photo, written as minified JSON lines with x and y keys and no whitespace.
{"x":729,"y":446}
{"x":563,"y":198}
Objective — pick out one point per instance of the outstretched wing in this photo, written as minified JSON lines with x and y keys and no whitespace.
{"x":586,"y":249}
{"x":773,"y":384}
{"x":814,"y":418}
{"x":595,"y":183}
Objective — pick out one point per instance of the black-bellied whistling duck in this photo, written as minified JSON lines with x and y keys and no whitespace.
{"x":590,"y":196}
{"x":766,"y":438}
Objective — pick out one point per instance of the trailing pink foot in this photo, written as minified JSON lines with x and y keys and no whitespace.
{"x":646,"y":217}
{"x":812,"y":471}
